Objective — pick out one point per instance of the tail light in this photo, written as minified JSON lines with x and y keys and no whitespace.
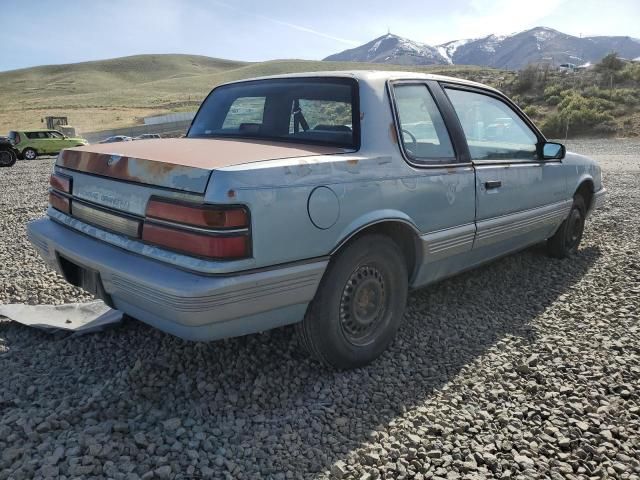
{"x":60,"y":187}
{"x":62,"y":183}
{"x":60,"y":202}
{"x":203,"y":230}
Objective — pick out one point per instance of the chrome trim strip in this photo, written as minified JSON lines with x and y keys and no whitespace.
{"x":502,"y":228}
{"x":481,"y":164}
{"x":208,"y":231}
{"x":110,"y":221}
{"x":448,"y":242}
{"x":307,"y":280}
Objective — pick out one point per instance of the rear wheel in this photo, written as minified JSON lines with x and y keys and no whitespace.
{"x":29,"y":154}
{"x":7,"y":158}
{"x":567,"y":239}
{"x":359,"y":304}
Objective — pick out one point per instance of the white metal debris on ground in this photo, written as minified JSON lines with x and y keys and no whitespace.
{"x":79,"y":318}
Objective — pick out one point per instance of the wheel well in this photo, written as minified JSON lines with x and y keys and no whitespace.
{"x":402,"y":234}
{"x":585,"y":190}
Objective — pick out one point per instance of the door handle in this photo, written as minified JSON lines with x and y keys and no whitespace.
{"x":492,"y":184}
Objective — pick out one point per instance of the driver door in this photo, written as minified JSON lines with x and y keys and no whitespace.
{"x":56,"y":142}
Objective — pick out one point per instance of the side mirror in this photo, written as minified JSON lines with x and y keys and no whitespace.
{"x":553,"y":151}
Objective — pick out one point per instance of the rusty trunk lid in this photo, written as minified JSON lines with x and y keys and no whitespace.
{"x":178,"y":163}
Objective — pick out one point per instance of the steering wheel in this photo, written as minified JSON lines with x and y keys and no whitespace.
{"x":414,"y":141}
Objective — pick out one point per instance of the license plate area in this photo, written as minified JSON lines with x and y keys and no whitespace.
{"x":82,"y":277}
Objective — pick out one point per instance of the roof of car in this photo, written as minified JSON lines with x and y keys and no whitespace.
{"x":372,"y":76}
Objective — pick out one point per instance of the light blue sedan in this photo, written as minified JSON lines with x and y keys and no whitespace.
{"x":314,"y":199}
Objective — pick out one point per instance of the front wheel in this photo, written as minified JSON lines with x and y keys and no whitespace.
{"x":567,"y":239}
{"x":29,"y":154}
{"x":359,"y":304}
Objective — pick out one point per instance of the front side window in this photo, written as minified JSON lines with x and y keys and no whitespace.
{"x":422,"y":130}
{"x":493,"y":130}
{"x":302,"y":110}
{"x":57,"y":135}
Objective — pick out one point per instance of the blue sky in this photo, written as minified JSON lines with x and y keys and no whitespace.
{"x":37,"y":32}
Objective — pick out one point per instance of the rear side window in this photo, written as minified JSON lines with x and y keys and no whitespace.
{"x":303,"y":110}
{"x":14,"y":137}
{"x":423,"y":132}
{"x":494,"y":131}
{"x":37,"y":135}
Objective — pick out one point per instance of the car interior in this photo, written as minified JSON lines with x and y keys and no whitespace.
{"x":308,"y":112}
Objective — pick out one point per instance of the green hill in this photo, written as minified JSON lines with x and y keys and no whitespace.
{"x":120,"y":92}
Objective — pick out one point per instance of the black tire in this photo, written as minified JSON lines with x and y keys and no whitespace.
{"x":359,"y":304}
{"x":7,"y":158}
{"x":29,"y":154}
{"x":567,"y":238}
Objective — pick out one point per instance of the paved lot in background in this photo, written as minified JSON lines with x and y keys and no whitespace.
{"x":527,"y":367}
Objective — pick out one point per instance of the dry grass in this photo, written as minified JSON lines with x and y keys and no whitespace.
{"x":120,"y":92}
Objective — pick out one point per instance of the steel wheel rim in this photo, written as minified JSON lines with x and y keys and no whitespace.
{"x":29,"y":155}
{"x":363,"y":305}
{"x":575,"y":228}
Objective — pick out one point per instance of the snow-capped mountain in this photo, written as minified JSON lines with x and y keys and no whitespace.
{"x":537,"y":45}
{"x":449,"y":49}
{"x":391,"y":49}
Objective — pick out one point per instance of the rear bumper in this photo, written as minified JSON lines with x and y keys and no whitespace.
{"x":182,"y":303}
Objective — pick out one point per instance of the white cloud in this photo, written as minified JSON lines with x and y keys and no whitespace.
{"x":293,"y":26}
{"x":502,"y":16}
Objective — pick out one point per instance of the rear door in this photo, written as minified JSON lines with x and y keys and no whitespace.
{"x":37,"y":140}
{"x":519,"y":198}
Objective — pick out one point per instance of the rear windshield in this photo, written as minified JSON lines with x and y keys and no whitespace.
{"x":303,"y":110}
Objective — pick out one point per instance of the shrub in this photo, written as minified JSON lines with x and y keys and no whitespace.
{"x":553,"y":126}
{"x":552,"y":91}
{"x":526,"y":79}
{"x":554,"y":100}
{"x":610,"y":63}
{"x":532,"y":111}
{"x":606,"y":128}
{"x":631,"y":73}
{"x":578,"y":114}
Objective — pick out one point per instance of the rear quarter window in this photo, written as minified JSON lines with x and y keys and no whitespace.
{"x":423,"y":132}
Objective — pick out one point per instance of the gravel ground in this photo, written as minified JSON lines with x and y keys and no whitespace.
{"x":528,"y":367}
